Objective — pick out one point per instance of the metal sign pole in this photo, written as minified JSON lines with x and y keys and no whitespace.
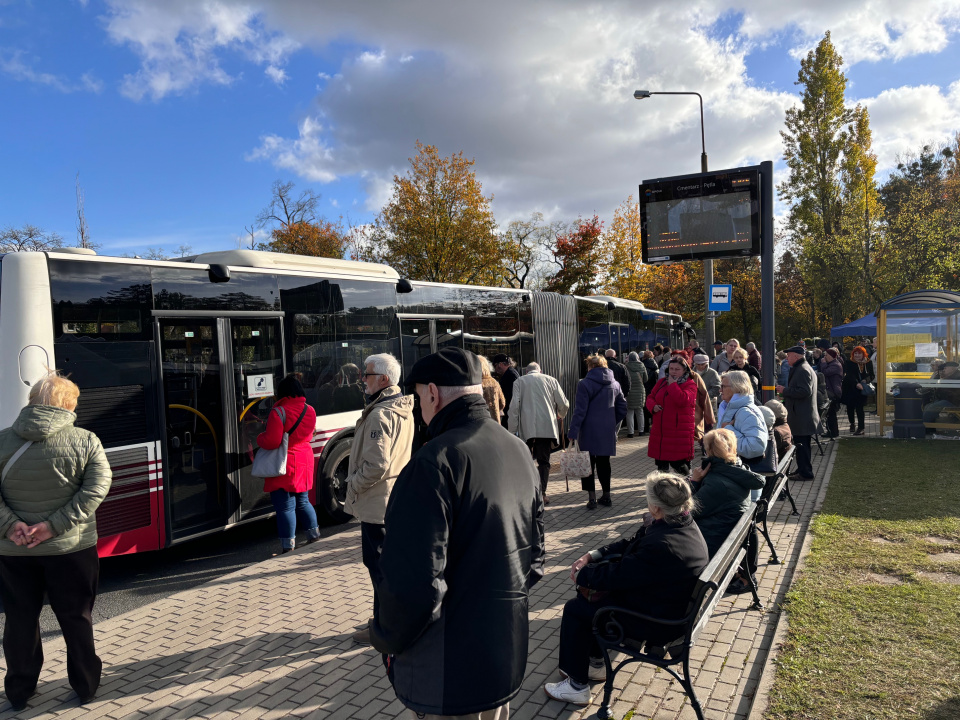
{"x":768,"y":346}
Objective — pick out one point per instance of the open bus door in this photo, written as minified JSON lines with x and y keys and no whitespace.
{"x":218,"y":376}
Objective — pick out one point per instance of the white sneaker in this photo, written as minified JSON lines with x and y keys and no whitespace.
{"x":594,"y":673}
{"x":564,"y":692}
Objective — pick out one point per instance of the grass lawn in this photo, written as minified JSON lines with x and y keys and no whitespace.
{"x":874,"y":618}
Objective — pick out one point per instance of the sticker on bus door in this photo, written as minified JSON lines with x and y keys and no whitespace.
{"x":259,"y":386}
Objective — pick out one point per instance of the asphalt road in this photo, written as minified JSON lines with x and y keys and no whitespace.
{"x":132,"y":581}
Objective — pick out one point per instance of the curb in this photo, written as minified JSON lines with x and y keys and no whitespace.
{"x":761,"y":697}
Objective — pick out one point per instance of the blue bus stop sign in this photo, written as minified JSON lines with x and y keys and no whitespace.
{"x":721,"y":297}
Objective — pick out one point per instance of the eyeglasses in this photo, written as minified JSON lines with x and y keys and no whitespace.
{"x":366,"y":375}
{"x":724,"y":385}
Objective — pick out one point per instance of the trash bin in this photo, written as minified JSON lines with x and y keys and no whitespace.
{"x":908,"y":411}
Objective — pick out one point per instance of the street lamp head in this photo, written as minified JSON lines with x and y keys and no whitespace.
{"x":641,"y":94}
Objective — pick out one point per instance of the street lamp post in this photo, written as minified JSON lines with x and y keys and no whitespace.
{"x":709,"y":329}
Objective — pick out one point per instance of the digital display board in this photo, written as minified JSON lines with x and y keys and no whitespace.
{"x":703,"y":216}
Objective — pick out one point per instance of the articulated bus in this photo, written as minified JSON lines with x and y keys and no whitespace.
{"x":177,"y":362}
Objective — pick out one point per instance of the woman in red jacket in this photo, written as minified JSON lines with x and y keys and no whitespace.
{"x":672,"y":404}
{"x":289,"y":492}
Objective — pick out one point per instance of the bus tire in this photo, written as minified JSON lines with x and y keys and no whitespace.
{"x":331,"y":485}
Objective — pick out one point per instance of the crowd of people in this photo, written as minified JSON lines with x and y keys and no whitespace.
{"x":451,"y":527}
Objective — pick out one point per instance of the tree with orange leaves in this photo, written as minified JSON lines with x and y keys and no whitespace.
{"x":320,"y":239}
{"x":578,"y":254}
{"x":438,"y":225}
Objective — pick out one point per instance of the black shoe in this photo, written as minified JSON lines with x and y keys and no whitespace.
{"x":605,"y":500}
{"x":311,"y":541}
{"x":592,"y":505}
{"x":629,"y":435}
{"x":797,"y":477}
{"x":85,"y":699}
{"x":284,"y":551}
{"x":18,"y":705}
{"x":738,"y":587}
{"x":859,"y":431}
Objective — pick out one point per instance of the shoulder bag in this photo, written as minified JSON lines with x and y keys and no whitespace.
{"x":273,"y":463}
{"x":13,"y":458}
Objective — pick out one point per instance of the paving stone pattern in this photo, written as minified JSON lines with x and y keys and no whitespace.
{"x":274,"y":640}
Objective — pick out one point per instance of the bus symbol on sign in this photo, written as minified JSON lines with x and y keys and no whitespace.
{"x":721,"y":297}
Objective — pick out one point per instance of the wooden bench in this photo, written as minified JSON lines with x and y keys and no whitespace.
{"x":710,"y":587}
{"x":775,"y":489}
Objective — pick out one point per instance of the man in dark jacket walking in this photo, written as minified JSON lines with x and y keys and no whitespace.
{"x":800,"y":399}
{"x":507,"y":375}
{"x":463,"y":546}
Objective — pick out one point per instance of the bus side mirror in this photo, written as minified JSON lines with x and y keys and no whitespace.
{"x":219,"y":273}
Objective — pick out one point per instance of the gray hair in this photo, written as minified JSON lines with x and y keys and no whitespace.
{"x":531,"y":367}
{"x":740,"y":382}
{"x":778,"y":408}
{"x":633,"y":357}
{"x":385,"y":364}
{"x":610,"y":353}
{"x":751,"y":346}
{"x":669,"y":492}
{"x":449,"y":393}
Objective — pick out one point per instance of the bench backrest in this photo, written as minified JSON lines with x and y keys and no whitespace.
{"x":713,"y":581}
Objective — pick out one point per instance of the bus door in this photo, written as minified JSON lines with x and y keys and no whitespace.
{"x":620,"y":340}
{"x":218,"y":378}
{"x":421,"y":335}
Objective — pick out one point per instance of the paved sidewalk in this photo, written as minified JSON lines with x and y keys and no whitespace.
{"x":273,"y":640}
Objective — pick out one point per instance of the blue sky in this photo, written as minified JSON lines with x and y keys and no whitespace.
{"x":180,"y":115}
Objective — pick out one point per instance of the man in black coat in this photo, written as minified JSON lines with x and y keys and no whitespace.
{"x":507,"y":375}
{"x":620,"y":372}
{"x":800,"y":399}
{"x":464,"y":544}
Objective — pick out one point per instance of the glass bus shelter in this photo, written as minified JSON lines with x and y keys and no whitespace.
{"x":918,"y":335}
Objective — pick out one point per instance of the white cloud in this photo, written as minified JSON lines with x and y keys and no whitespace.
{"x":13,"y":65}
{"x":539,"y":93}
{"x":906,"y":118}
{"x":309,"y":156}
{"x":862,"y":31}
{"x":278,"y":75}
{"x":179,"y":42}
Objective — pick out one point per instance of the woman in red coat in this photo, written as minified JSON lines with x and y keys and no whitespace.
{"x":672,"y":404}
{"x":289,"y":492}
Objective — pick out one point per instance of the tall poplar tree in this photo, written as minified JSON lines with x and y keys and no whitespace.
{"x":819,"y":138}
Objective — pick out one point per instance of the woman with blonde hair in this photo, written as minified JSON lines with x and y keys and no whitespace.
{"x":54,"y":477}
{"x":723,"y":488}
{"x":492,"y":393}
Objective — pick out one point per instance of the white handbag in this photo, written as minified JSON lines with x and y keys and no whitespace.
{"x":575,"y":462}
{"x":273,"y":463}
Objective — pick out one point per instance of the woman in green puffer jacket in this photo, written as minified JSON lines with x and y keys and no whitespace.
{"x":54,"y":476}
{"x":637,"y":396}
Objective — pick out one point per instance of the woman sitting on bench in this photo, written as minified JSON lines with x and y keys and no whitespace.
{"x":653,"y":572}
{"x":722,"y":488}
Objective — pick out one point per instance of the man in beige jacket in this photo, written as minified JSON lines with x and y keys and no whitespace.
{"x":382,"y":442}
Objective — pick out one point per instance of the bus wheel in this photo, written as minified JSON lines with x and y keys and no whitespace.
{"x":332,"y":485}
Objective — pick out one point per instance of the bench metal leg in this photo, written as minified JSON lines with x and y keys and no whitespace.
{"x":774,"y":558}
{"x":688,"y":688}
{"x":752,"y":582}
{"x":786,"y":489}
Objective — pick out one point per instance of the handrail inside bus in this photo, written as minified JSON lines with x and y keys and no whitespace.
{"x":252,"y":403}
{"x":216,"y":445}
